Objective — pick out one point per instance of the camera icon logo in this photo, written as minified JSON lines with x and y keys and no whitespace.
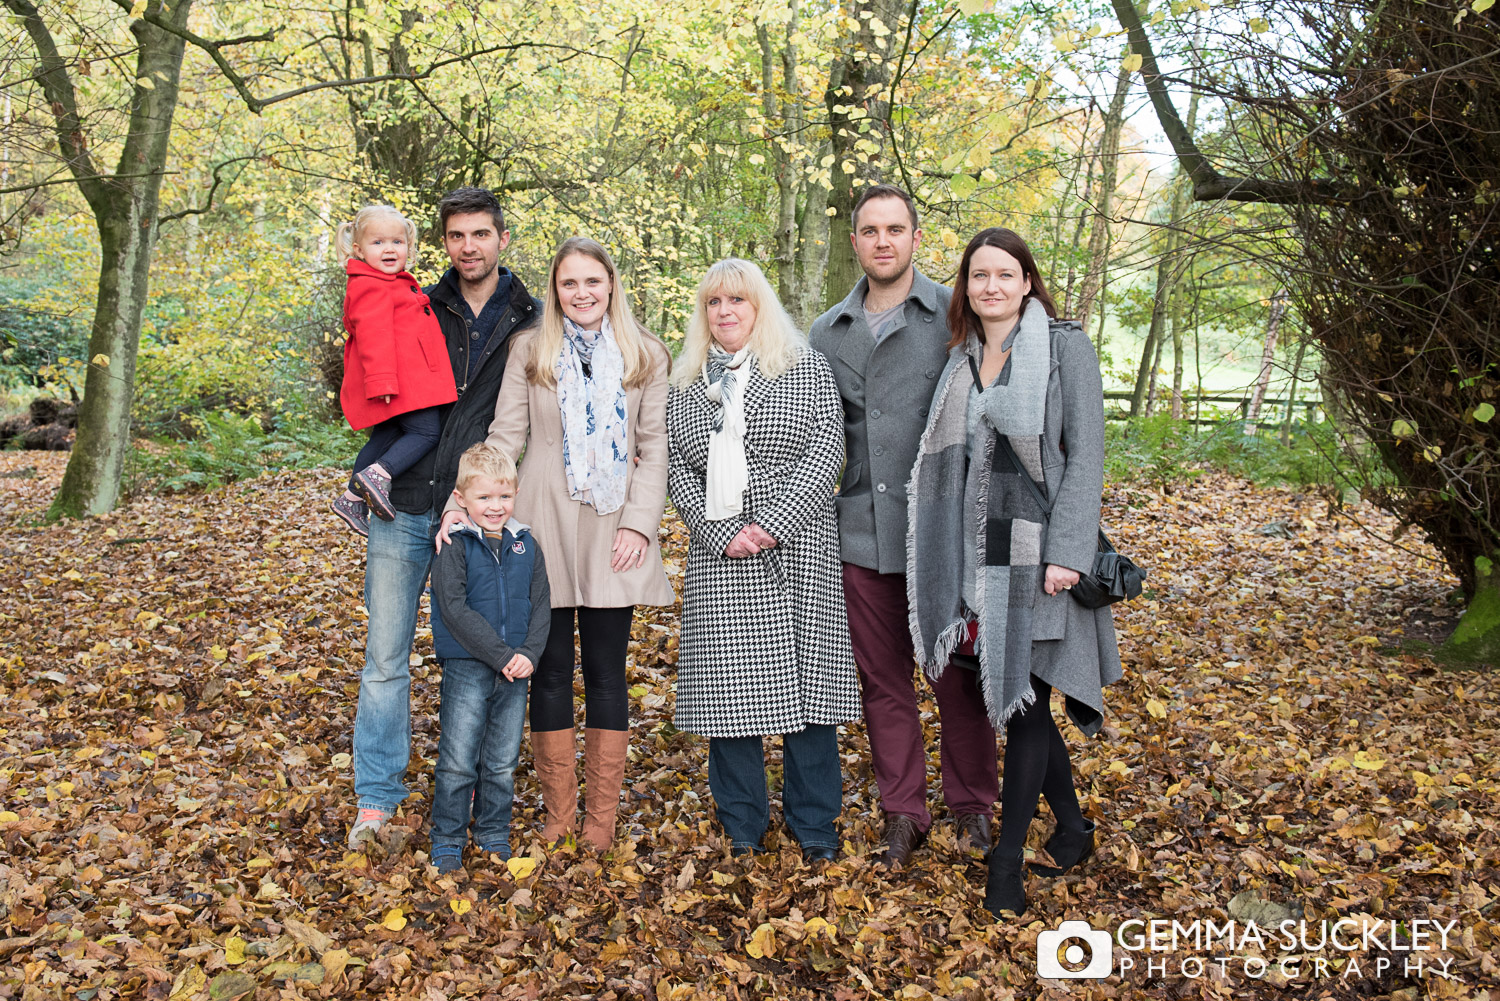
{"x":1088,"y":953}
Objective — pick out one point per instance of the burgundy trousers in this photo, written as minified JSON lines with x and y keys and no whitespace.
{"x":883,"y":652}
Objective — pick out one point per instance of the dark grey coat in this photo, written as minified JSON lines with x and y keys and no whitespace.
{"x":886,"y":389}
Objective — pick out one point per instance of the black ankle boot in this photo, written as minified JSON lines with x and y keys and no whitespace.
{"x":1067,"y":848}
{"x":1005,"y":887}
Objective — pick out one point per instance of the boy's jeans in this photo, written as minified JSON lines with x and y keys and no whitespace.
{"x":482,"y":717}
{"x":396,"y":561}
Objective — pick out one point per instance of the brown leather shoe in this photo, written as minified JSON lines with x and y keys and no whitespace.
{"x":974,"y":833}
{"x":902,"y":837}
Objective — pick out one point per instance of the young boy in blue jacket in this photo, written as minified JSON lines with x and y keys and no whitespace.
{"x":491,"y":609}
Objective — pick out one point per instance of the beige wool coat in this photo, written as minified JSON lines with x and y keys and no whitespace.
{"x":575,"y":538}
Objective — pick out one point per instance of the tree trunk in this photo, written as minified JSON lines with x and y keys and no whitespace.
{"x":812,"y":261}
{"x":125,"y":210}
{"x":1177,"y":357}
{"x":780,"y":113}
{"x":1092,"y":286}
{"x":1153,"y":335}
{"x":1167,"y":273}
{"x":1155,"y":367}
{"x":1083,"y":217}
{"x":1267,"y":358}
{"x":1477,"y":638}
{"x":1291,"y":395}
{"x":857,"y":109}
{"x":1099,"y":299}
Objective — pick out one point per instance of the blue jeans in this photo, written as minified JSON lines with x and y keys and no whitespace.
{"x":396,"y":561}
{"x":811,"y":794}
{"x":482,"y":717}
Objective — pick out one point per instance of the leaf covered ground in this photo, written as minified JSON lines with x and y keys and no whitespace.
{"x":177,"y":692}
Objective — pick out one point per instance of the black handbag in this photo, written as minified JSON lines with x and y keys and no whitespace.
{"x":1114,"y":577}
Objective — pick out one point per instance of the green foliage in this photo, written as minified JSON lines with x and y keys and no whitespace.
{"x":33,"y":338}
{"x":1158,"y":450}
{"x":1155,"y":450}
{"x":228,"y":447}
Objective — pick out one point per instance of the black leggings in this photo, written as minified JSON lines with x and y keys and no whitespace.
{"x":398,"y":443}
{"x":603,"y":639}
{"x":1036,"y":764}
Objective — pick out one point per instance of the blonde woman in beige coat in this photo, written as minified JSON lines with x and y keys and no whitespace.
{"x":584,"y":401}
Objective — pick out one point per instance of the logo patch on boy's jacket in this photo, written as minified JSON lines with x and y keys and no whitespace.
{"x":518,"y":547}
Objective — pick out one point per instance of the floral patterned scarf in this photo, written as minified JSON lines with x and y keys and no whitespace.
{"x":593,"y":415}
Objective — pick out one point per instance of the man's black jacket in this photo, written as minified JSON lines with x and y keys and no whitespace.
{"x":427,"y":485}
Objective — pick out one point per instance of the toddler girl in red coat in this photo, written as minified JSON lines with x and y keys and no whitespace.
{"x":396,"y":368}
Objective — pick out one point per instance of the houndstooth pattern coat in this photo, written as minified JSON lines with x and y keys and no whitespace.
{"x":765,"y":644}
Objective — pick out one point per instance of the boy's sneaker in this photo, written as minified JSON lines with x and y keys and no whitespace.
{"x":502,"y":849}
{"x":354,"y":514}
{"x":447,"y":859}
{"x":367,"y":825}
{"x":375,"y":487}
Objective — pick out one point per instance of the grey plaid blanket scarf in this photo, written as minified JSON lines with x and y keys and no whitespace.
{"x":949,"y":497}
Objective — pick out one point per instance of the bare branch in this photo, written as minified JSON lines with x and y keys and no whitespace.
{"x":208,"y":204}
{"x":259,"y":104}
{"x":52,"y":75}
{"x":50,"y":182}
{"x":1208,"y":184}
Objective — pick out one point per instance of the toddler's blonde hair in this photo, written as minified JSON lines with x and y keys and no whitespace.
{"x":347,"y":236}
{"x":485,"y":460}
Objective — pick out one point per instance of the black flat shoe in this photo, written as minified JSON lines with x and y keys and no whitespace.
{"x":1068,"y":849}
{"x":819,"y":853}
{"x":1005,"y":887}
{"x":745,"y":851}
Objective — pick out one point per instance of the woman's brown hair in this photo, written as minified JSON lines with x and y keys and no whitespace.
{"x":961,"y":316}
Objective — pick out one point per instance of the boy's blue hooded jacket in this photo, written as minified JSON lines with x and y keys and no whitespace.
{"x":490,"y":597}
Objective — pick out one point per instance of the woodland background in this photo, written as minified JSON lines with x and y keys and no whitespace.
{"x":1278,"y":223}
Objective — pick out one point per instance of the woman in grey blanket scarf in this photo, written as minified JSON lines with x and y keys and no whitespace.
{"x":989,"y":564}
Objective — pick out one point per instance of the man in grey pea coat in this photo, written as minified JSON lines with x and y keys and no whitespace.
{"x":887,"y":344}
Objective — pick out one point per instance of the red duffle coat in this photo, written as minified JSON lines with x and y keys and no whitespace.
{"x":395,"y":348}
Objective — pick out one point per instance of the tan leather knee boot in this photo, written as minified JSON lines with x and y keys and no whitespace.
{"x":604,"y":772}
{"x":555,"y":755}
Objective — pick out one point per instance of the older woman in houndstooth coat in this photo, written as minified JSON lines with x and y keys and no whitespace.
{"x":757,"y":441}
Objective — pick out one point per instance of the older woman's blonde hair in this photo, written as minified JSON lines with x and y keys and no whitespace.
{"x":541,"y":367}
{"x":351,"y":234}
{"x":774,"y":340}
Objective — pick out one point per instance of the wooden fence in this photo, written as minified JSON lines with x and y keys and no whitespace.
{"x":1312,"y":409}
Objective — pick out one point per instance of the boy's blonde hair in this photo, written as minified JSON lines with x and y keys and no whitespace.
{"x":348,"y":234}
{"x":485,"y":460}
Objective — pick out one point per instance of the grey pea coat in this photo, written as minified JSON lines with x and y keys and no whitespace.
{"x":765,"y":642}
{"x":1074,"y":648}
{"x":886,"y":390}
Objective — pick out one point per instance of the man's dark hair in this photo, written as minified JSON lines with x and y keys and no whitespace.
{"x":462,"y":201}
{"x":875,"y":191}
